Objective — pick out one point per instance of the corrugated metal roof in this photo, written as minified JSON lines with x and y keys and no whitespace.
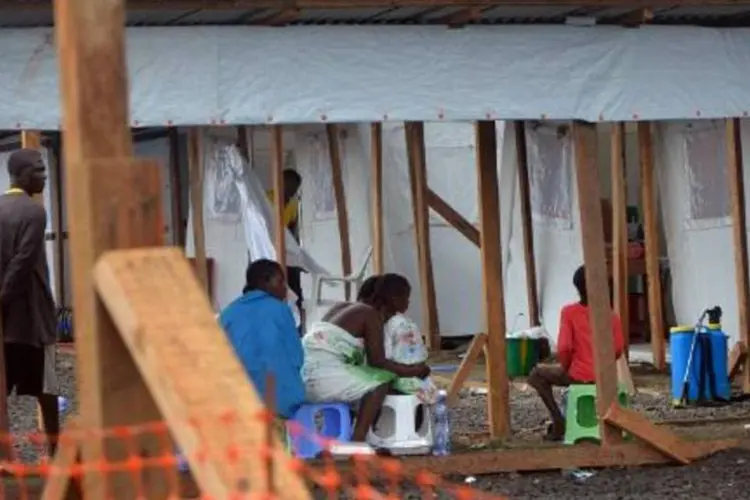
{"x":710,"y":15}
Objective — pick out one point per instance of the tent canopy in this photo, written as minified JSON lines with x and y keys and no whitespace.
{"x":251,"y":75}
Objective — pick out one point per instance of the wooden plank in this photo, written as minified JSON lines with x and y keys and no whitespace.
{"x":196,"y":171}
{"x":175,"y":178}
{"x":597,"y":282}
{"x":234,"y":5}
{"x":651,"y":236}
{"x":62,"y":486}
{"x":342,"y":213}
{"x":492,"y":278}
{"x":739,"y":237}
{"x":277,"y":166}
{"x":661,"y":438}
{"x":452,"y":217}
{"x":114,"y":202}
{"x":737,"y":357}
{"x":415,"y":151}
{"x":201,"y":387}
{"x":551,"y":457}
{"x":477,"y":346}
{"x":619,"y":226}
{"x":620,"y":247}
{"x":527,"y":228}
{"x":376,"y":196}
{"x":31,"y":139}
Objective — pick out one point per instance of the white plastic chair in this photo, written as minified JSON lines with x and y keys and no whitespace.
{"x":356,"y":279}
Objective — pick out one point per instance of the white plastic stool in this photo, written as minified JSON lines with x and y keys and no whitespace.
{"x":396,"y":427}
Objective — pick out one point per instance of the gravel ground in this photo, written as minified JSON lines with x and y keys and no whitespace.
{"x":716,"y":477}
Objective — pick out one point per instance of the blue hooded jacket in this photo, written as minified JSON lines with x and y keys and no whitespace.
{"x":261,"y":329}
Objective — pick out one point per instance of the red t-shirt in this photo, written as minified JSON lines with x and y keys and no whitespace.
{"x":574,"y":347}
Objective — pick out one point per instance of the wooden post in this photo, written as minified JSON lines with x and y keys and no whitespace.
{"x":112,"y":202}
{"x":196,"y":169}
{"x":277,"y":164}
{"x":735,"y":169}
{"x":415,"y":151}
{"x":619,"y":227}
{"x":527,"y":227}
{"x":597,"y":282}
{"x":619,"y":255}
{"x":651,"y":234}
{"x":376,"y":196}
{"x":492,"y":278}
{"x":339,"y":193}
{"x":175,"y":176}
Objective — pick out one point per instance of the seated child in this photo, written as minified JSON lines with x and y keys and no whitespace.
{"x":574,"y":353}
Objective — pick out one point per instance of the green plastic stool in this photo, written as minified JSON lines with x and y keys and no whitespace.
{"x":581,"y":421}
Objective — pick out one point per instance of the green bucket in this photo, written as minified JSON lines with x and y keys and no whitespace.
{"x":521,"y":355}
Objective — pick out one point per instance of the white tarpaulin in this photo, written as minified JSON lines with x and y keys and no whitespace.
{"x":694,"y":194}
{"x":237,"y":220}
{"x":218,"y":75}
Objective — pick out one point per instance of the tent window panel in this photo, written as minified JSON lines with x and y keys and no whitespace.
{"x":706,"y":175}
{"x":319,"y":179}
{"x":550,"y":175}
{"x":222,"y":171}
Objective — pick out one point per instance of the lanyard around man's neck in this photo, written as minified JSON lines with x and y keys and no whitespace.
{"x":15,"y":191}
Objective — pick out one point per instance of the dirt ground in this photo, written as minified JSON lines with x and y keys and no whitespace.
{"x":716,"y":477}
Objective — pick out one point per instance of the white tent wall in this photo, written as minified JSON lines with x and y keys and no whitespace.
{"x":693,"y":187}
{"x":451,"y":173}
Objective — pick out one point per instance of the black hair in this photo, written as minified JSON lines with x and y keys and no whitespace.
{"x":579,"y":281}
{"x":259,"y":273}
{"x":20,"y":160}
{"x":367,"y":289}
{"x":387,"y":286}
{"x":292,"y":175}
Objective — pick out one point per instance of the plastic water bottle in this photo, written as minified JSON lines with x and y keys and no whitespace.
{"x":442,"y":445}
{"x":62,"y":404}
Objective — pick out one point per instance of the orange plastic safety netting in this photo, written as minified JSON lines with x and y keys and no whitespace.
{"x":327,"y":476}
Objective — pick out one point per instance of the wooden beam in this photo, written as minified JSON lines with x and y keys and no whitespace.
{"x":737,"y":357}
{"x":281,"y":17}
{"x":739,"y":237}
{"x":197,"y":170}
{"x":597,"y":282}
{"x":235,"y":5}
{"x":339,"y":194}
{"x":634,"y":18}
{"x":661,"y":438}
{"x":62,"y":486}
{"x":277,"y":166}
{"x":415,"y":151}
{"x":527,"y":227}
{"x":651,"y":236}
{"x":620,"y":247}
{"x":201,"y":387}
{"x":452,"y":217}
{"x":540,"y":458}
{"x":492,"y":278}
{"x":619,"y":226}
{"x":477,"y":346}
{"x":112,"y":202}
{"x":376,"y":196}
{"x":175,"y":177}
{"x":460,"y":17}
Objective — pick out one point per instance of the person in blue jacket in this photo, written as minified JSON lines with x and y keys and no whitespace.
{"x":261,"y":328}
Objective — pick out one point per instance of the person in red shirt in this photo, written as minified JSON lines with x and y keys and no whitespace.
{"x":574,"y":353}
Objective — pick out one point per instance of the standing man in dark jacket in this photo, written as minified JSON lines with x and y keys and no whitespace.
{"x":26,"y":302}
